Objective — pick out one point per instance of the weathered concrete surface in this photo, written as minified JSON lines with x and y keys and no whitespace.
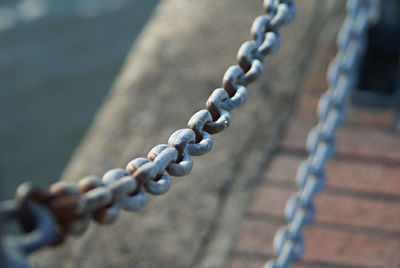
{"x":176,"y":63}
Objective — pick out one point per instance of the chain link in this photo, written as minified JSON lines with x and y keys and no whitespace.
{"x":342,"y":74}
{"x":72,"y":206}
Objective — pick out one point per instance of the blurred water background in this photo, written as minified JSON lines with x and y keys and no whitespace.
{"x":58,"y":59}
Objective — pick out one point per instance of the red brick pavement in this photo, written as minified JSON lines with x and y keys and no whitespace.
{"x":358,"y":214}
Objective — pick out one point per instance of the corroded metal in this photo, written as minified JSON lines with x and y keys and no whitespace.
{"x":101,"y":199}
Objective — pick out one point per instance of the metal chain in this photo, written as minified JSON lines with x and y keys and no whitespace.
{"x":342,"y":74}
{"x":67,"y":208}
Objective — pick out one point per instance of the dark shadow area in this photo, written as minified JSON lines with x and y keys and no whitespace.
{"x":379,"y":80}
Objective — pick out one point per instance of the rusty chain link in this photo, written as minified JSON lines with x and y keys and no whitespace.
{"x":67,"y":208}
{"x":342,"y":74}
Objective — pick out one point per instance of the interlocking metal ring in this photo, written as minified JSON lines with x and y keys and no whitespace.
{"x":128,"y":202}
{"x":282,"y":238}
{"x":223,"y":122}
{"x":175,"y":169}
{"x":43,"y":234}
{"x":161,"y":183}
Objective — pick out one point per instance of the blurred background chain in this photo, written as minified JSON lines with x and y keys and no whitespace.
{"x":342,"y":76}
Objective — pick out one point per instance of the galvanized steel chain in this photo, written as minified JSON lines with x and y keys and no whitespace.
{"x":67,"y":209}
{"x":342,"y":74}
